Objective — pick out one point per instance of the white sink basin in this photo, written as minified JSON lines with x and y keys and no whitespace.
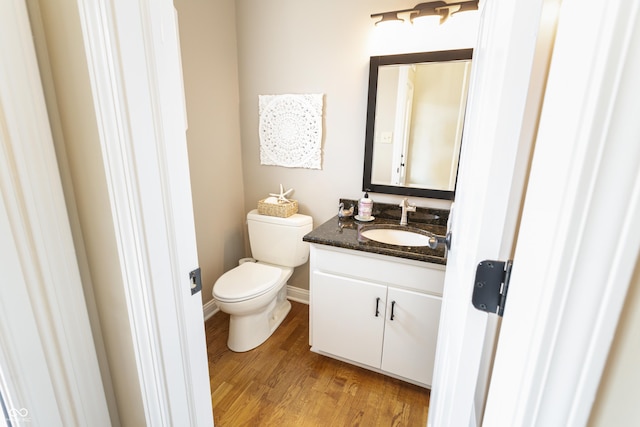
{"x":394,"y":236}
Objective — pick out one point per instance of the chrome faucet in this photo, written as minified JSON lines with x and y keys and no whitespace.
{"x":406,"y":207}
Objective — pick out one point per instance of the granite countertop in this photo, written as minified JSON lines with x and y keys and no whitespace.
{"x":345,"y":232}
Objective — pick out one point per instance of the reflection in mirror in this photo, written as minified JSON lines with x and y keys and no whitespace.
{"x":414,"y":122}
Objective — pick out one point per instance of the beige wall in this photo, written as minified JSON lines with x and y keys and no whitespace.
{"x":289,"y":46}
{"x":210,"y":70}
{"x":233,"y":51}
{"x":617,"y":398}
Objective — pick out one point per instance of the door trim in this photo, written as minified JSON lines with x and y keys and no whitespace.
{"x":49,"y":373}
{"x":134,"y":69}
{"x":580,"y":235}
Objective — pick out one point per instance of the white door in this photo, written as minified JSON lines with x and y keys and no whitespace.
{"x":171,"y":126}
{"x":502,"y":109}
{"x":570,"y":275}
{"x":579,"y":237}
{"x":402,"y":128}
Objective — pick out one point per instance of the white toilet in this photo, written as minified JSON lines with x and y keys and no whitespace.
{"x":254,"y":294}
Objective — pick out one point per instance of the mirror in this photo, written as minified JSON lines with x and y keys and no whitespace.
{"x":415,"y":117}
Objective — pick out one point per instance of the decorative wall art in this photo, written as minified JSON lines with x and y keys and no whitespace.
{"x":291,"y":130}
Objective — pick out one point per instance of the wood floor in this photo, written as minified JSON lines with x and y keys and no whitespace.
{"x":283,"y":383}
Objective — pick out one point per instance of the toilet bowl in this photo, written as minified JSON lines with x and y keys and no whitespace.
{"x":256,"y":306}
{"x":254,"y":293}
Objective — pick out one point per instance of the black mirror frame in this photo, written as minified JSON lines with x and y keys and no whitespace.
{"x":409,"y":58}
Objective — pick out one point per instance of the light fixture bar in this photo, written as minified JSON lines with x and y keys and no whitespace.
{"x":433,"y":8}
{"x":387,"y":17}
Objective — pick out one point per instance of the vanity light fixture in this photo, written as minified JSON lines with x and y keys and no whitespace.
{"x":432,"y":9}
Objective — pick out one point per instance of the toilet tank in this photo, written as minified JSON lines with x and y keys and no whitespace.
{"x":278,"y":240}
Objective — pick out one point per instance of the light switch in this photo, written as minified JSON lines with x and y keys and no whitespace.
{"x":386,"y":137}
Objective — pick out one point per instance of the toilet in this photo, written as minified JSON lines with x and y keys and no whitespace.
{"x":254,"y":293}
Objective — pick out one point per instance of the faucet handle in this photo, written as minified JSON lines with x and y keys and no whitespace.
{"x":404,"y":204}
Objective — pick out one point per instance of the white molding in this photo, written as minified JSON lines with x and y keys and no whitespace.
{"x":48,"y":364}
{"x":209,"y":309}
{"x":105,"y":71}
{"x":298,"y":294}
{"x":132,"y":51}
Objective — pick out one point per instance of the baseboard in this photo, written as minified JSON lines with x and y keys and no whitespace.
{"x":298,"y":295}
{"x":209,"y":309}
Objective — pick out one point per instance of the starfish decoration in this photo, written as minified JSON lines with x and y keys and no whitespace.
{"x":282,"y":197}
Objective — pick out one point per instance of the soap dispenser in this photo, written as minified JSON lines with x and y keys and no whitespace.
{"x":365,"y":208}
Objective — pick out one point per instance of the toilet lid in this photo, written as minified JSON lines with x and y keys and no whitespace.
{"x":247,"y":280}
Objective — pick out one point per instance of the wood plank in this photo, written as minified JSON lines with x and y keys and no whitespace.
{"x":283,"y":383}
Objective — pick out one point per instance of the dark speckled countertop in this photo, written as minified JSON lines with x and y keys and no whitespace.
{"x":345,"y":232}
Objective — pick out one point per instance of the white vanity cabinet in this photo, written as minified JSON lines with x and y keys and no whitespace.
{"x":376,"y":311}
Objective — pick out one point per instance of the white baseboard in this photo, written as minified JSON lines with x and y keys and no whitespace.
{"x":209,"y":309}
{"x":298,"y":295}
{"x":293,"y":293}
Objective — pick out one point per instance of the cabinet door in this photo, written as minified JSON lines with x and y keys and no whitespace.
{"x":345,"y":323}
{"x":410,"y":337}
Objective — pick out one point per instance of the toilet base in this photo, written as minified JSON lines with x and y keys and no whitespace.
{"x":248,"y":331}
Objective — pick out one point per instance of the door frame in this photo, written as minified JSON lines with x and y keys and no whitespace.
{"x":579,"y":237}
{"x":133,"y":58}
{"x":49,"y":372}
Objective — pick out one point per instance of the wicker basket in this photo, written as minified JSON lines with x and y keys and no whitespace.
{"x":281,"y":210}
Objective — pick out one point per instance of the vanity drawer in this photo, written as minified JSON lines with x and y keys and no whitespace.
{"x":392,"y":271}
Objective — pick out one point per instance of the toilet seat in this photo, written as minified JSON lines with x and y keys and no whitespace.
{"x":246,"y":281}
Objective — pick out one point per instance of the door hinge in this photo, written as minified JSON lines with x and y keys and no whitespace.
{"x":491,"y":286}
{"x":195,"y":280}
